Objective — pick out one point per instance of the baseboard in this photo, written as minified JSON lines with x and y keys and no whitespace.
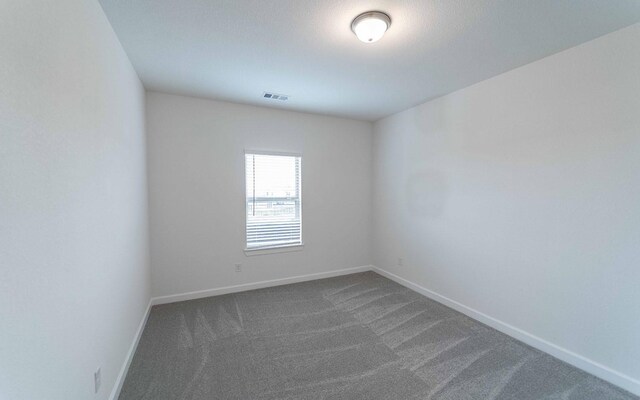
{"x":601,"y":371}
{"x":117,"y":387}
{"x":256,"y":285}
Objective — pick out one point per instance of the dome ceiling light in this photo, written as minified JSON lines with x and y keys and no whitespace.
{"x":370,"y":26}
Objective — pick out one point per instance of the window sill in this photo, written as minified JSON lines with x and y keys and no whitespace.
{"x":273,"y":250}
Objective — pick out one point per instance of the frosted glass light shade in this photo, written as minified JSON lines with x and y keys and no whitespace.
{"x":369,"y":27}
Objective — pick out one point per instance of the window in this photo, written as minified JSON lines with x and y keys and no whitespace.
{"x":273,"y":200}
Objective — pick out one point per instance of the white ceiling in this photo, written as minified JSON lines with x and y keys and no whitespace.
{"x":235,"y":50}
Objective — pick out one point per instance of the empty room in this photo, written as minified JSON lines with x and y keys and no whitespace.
{"x":320,"y":200}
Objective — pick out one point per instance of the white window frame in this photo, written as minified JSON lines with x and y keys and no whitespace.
{"x":254,"y":251}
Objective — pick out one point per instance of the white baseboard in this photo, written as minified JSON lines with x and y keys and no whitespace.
{"x":256,"y":285}
{"x":601,"y":371}
{"x":117,"y":387}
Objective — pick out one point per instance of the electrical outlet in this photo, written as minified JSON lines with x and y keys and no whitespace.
{"x":97,"y":380}
{"x":238,"y":267}
{"x":400,"y":262}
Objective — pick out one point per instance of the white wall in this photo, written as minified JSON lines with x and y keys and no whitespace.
{"x":196,"y":185}
{"x":74,"y":275}
{"x":520,"y":197}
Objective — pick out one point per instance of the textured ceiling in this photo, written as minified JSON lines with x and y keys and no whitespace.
{"x":235,"y":50}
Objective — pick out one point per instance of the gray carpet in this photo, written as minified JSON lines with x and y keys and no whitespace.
{"x":359,"y":336}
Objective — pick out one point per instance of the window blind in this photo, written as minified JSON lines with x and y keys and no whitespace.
{"x":273,"y":200}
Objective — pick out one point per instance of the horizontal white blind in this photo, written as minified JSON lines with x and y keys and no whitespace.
{"x":273,"y":200}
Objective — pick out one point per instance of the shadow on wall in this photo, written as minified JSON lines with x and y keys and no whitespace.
{"x":426,"y":194}
{"x":431,"y":121}
{"x":426,"y":190}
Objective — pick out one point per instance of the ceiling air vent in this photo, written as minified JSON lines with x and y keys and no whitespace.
{"x":275,"y":96}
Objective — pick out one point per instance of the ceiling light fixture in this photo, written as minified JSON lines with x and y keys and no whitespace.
{"x":369,"y":27}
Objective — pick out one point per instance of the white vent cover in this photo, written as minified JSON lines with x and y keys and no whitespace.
{"x":275,"y":96}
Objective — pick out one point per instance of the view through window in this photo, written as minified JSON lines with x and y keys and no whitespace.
{"x":273,"y":200}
